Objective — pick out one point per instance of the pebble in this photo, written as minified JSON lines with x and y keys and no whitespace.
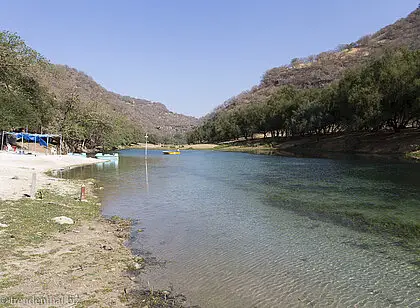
{"x":63,"y":220}
{"x":3,"y":225}
{"x":106,"y":247}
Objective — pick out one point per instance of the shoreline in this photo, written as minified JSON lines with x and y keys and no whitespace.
{"x":17,"y":172}
{"x":407,"y":157}
{"x":83,"y":264}
{"x":402,"y":145}
{"x":183,"y":147}
{"x":382,"y":144}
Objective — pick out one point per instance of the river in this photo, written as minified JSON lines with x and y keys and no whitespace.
{"x":242,"y":230}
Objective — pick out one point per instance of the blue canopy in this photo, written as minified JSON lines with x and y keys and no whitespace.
{"x":34,"y":137}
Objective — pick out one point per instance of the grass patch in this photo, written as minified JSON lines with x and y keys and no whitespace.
{"x":7,"y":282}
{"x":87,"y":303}
{"x":415,"y":155}
{"x":30,"y":221}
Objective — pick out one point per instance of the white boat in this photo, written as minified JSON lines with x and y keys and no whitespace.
{"x":77,"y":154}
{"x":113,"y":156}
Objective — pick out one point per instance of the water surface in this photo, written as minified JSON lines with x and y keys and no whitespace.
{"x":238,"y":230}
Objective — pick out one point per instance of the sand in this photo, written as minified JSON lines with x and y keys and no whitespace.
{"x":83,"y":265}
{"x":16,"y":171}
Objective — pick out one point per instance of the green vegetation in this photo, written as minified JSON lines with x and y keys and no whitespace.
{"x":24,"y":102}
{"x":415,"y":155}
{"x":29,"y":220}
{"x":399,"y":219}
{"x":382,"y":95}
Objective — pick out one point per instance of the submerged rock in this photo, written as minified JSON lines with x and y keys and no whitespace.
{"x":63,"y":220}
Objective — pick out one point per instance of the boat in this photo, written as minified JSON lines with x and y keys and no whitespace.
{"x":77,"y":154}
{"x":175,"y":152}
{"x":113,"y":156}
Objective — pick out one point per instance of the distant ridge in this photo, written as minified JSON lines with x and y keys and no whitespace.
{"x":152,"y":117}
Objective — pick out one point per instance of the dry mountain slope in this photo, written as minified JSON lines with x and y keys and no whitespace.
{"x":323,"y":69}
{"x":153,"y":117}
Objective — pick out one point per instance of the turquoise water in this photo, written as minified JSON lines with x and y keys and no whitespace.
{"x":241,"y":230}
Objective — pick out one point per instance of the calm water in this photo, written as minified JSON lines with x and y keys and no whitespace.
{"x":226,"y":228}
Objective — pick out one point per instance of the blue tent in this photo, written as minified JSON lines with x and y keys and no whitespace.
{"x":42,"y":139}
{"x":34,"y":138}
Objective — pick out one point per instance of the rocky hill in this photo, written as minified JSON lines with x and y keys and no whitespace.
{"x":153,"y":117}
{"x":324,"y":68}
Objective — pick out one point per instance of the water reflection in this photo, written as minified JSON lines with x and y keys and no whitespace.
{"x":147,"y":175}
{"x":111,"y":164}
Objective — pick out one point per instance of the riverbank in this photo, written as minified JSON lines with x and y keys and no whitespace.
{"x":17,"y":172}
{"x":151,"y":146}
{"x":82,"y":262}
{"x":378,"y":143}
{"x":76,"y":265}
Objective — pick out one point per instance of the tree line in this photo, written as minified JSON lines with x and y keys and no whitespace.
{"x":383,"y":94}
{"x":25,"y":103}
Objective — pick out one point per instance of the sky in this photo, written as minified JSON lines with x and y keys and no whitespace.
{"x":191,"y":55}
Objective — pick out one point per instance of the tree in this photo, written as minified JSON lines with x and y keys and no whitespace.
{"x":23,"y":101}
{"x":398,"y":77}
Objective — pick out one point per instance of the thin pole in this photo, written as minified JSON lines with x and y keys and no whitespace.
{"x":22,"y":142}
{"x":46,"y":149}
{"x":61,"y":140}
{"x":2,"y":137}
{"x":147,"y":177}
{"x":35,"y":143}
{"x":145,"y":150}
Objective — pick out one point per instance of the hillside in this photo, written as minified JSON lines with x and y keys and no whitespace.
{"x":371,"y":85}
{"x":152,"y":117}
{"x":324,"y":68}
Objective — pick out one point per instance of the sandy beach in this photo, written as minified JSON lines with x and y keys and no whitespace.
{"x":17,"y":171}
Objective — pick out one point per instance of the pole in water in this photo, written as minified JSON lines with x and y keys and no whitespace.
{"x":83,"y":193}
{"x":145,"y":149}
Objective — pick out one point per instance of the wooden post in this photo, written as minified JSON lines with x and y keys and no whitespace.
{"x":33,"y":186}
{"x":83,"y":193}
{"x":61,"y":141}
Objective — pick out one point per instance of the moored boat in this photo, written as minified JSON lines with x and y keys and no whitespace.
{"x":113,"y":156}
{"x":175,"y":152}
{"x":77,"y":154}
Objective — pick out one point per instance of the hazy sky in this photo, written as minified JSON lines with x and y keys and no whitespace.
{"x":191,"y":55}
